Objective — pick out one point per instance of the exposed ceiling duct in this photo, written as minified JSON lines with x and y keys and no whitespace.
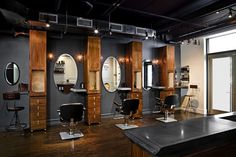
{"x":89,"y":24}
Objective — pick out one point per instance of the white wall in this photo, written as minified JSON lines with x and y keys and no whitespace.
{"x":193,"y":55}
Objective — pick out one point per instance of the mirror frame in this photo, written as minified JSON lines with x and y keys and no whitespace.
{"x":5,"y":74}
{"x":148,"y":62}
{"x":56,"y":85}
{"x":118,"y":83}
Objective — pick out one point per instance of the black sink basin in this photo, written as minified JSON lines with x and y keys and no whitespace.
{"x":232,"y":118}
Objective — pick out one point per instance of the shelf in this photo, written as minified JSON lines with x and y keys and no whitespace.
{"x":78,"y":90}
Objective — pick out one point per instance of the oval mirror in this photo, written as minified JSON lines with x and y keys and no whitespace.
{"x":12,"y":73}
{"x":147,"y":74}
{"x":111,"y":74}
{"x":65,"y":73}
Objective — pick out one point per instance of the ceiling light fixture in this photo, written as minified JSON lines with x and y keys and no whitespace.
{"x":110,"y":32}
{"x":96,"y":31}
{"x":146,"y":37}
{"x":230,"y":13}
{"x":47,"y":25}
{"x":217,"y":12}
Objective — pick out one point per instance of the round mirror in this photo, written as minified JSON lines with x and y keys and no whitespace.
{"x":111,"y":74}
{"x":147,"y":74}
{"x":65,"y":73}
{"x":12,"y":73}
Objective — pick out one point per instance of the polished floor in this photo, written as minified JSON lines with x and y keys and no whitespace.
{"x":104,"y":140}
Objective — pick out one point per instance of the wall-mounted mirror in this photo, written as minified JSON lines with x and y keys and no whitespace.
{"x":111,"y":74}
{"x":12,"y":73}
{"x":147,"y":74}
{"x":65,"y":73}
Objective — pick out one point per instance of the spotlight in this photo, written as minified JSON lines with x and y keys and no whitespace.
{"x":217,"y":12}
{"x":154,"y":36}
{"x":188,"y":41}
{"x":110,"y":32}
{"x":230,"y":13}
{"x":146,"y":37}
{"x":47,"y":25}
{"x":96,"y":31}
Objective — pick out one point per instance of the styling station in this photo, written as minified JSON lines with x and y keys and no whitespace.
{"x":119,"y":78}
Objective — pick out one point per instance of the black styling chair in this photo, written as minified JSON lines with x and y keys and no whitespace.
{"x":170,"y":102}
{"x":70,"y":114}
{"x":129,"y":107}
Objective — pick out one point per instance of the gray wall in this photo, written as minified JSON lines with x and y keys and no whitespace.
{"x":14,"y":49}
{"x":17,"y":50}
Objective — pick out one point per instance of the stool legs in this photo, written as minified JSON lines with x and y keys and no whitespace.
{"x":188,"y":104}
{"x":15,"y":123}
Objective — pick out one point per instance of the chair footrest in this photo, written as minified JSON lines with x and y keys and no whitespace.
{"x":67,"y":136}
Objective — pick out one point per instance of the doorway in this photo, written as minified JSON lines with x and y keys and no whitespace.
{"x":221,"y":83}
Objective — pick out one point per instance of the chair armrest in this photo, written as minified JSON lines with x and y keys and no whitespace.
{"x":119,"y":105}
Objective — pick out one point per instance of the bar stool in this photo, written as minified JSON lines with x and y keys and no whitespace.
{"x":15,"y":124}
{"x":190,"y":96}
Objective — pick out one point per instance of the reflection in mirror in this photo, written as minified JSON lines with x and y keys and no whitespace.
{"x":65,"y":73}
{"x":12,"y":73}
{"x":147,"y":74}
{"x":111,"y":74}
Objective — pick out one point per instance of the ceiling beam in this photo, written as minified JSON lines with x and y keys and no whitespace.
{"x":112,"y":8}
{"x":154,"y":15}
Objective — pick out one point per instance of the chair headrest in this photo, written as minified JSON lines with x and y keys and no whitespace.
{"x":171,"y":100}
{"x":130,"y":105}
{"x":71,"y":110}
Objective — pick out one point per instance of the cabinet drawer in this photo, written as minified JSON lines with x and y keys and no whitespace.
{"x":37,"y":116}
{"x":38,"y":101}
{"x":38,"y":124}
{"x":95,"y":110}
{"x":92,"y":104}
{"x":94,"y":97}
{"x":37,"y":108}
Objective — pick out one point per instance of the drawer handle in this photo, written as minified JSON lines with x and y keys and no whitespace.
{"x":94,"y":109}
{"x":38,"y":107}
{"x":94,"y":98}
{"x":37,"y":101}
{"x":38,"y":122}
{"x":94,"y":116}
{"x":38,"y":114}
{"x":94,"y":104}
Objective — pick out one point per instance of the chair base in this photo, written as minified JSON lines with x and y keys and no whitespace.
{"x":167,"y":120}
{"x":125,"y":126}
{"x":67,"y":136}
{"x":18,"y":127}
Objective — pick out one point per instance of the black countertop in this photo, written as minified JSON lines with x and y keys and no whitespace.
{"x":157,"y":139}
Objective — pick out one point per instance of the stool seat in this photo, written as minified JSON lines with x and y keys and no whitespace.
{"x":18,"y":108}
{"x":190,"y":95}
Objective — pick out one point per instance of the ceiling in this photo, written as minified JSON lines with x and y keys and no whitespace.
{"x":176,"y":19}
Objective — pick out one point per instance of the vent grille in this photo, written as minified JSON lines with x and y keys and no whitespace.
{"x":116,"y":27}
{"x":52,"y":18}
{"x":129,"y":29}
{"x":81,"y":22}
{"x":141,"y":31}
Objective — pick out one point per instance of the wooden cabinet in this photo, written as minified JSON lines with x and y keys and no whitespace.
{"x":38,"y":113}
{"x":93,"y":110}
{"x":38,"y":80}
{"x":133,"y":72}
{"x":166,"y":57}
{"x":92,"y":72}
{"x":93,"y":53}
